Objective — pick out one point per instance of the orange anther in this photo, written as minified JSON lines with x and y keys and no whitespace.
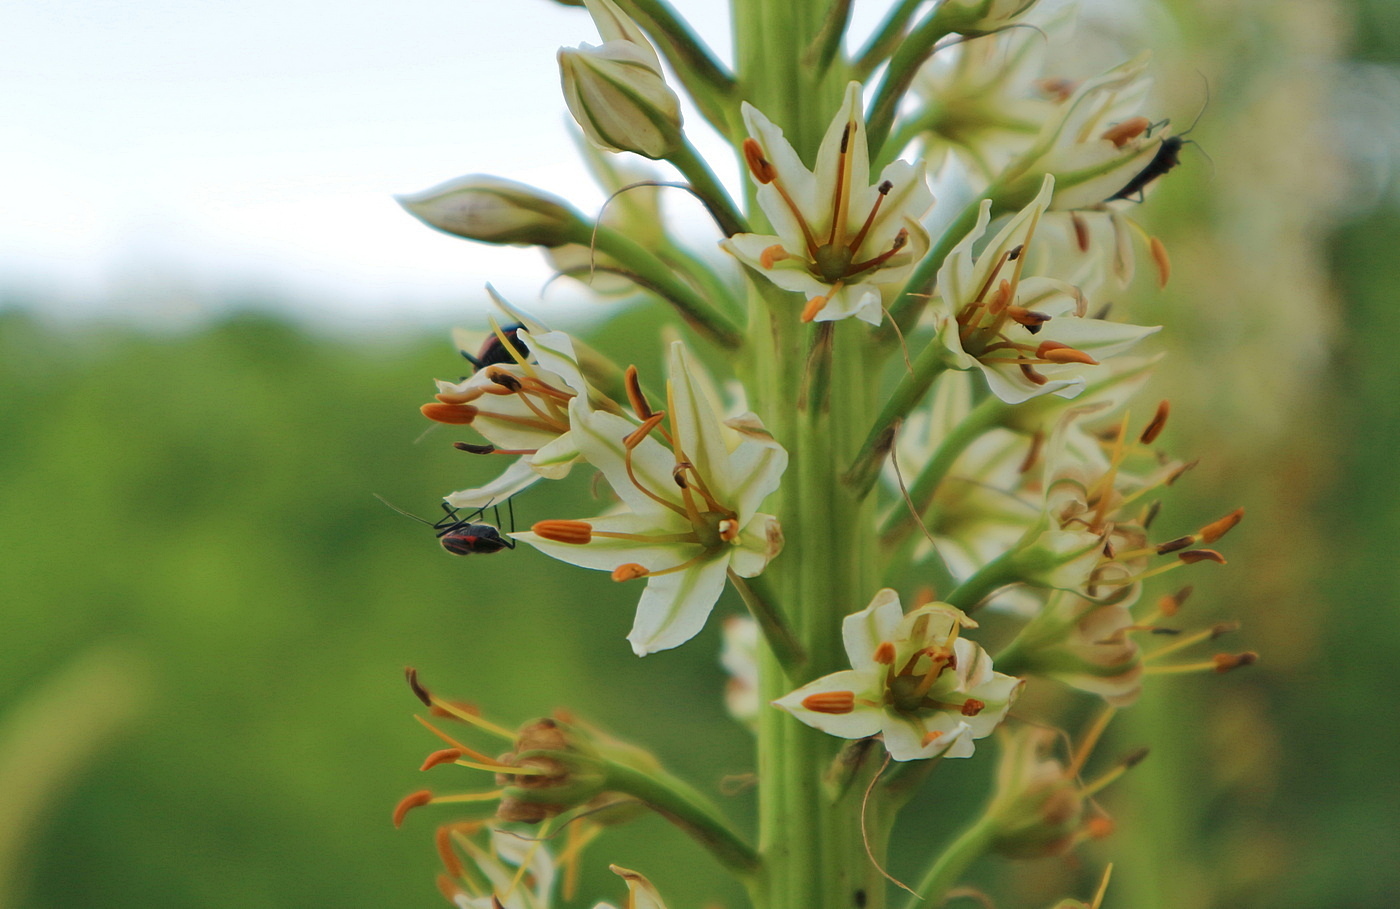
{"x":416,"y":800}
{"x":576,"y":533}
{"x":1120,"y":134}
{"x":443,"y":840}
{"x":1161,"y":260}
{"x":453,"y":414}
{"x":728,"y":530}
{"x":459,"y":397}
{"x":1055,"y":352}
{"x":1192,"y":556}
{"x":1217,"y":529}
{"x":930,"y":737}
{"x":635,"y":437}
{"x":449,"y":889}
{"x":771,"y":254}
{"x":759,"y":166}
{"x":884,"y":654}
{"x":814,"y":306}
{"x":445,"y":756}
{"x":1224,"y":662}
{"x":629,"y":572}
{"x":1026,"y":317}
{"x":972,"y":707}
{"x":1156,"y":425}
{"x":834,"y":702}
{"x":1098,"y":828}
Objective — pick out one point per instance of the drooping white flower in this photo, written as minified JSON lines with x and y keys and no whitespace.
{"x":845,"y":243}
{"x":1029,"y":335}
{"x":914,"y":679}
{"x":692,"y":506}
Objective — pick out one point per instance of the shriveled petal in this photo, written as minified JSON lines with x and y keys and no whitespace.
{"x":863,"y":720}
{"x":864,"y":631}
{"x":674,"y":607}
{"x":642,"y":893}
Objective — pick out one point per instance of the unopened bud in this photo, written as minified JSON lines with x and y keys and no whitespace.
{"x":496,"y":210}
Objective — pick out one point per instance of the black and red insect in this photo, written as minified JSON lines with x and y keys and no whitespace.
{"x":493,"y":351}
{"x":466,"y":535}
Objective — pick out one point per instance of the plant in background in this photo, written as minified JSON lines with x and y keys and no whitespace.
{"x":930,"y":397}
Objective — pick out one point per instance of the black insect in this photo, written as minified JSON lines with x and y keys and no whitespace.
{"x":493,"y":351}
{"x":466,"y":535}
{"x":1168,"y":156}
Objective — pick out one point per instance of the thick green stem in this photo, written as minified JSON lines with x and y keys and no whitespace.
{"x":949,"y":867}
{"x":930,"y":363}
{"x":774,"y":628}
{"x":1000,"y":572}
{"x":687,"y":809}
{"x":709,"y":189}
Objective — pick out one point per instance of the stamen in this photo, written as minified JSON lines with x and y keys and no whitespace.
{"x":840,"y":198}
{"x":884,"y":190}
{"x":1160,"y":259}
{"x":1031,"y":319}
{"x":474,"y":449}
{"x":1055,"y":352}
{"x":901,"y":239}
{"x":1176,"y":545}
{"x":832,"y":702}
{"x":1120,"y":134}
{"x":443,"y":840}
{"x":451,"y":414}
{"x":418,"y":690}
{"x":1081,"y":231}
{"x":1034,"y":377}
{"x":930,"y":737}
{"x":759,"y":166}
{"x":409,"y":802}
{"x":884,"y":654}
{"x":1154,"y":428}
{"x":1192,"y":556}
{"x":460,"y":397}
{"x":504,"y":379}
{"x":972,"y":707}
{"x":445,"y":756}
{"x":635,"y":396}
{"x":635,"y":437}
{"x":575,"y":533}
{"x":815,"y":305}
{"x":1217,"y":529}
{"x":775,"y":253}
{"x":629,"y":571}
{"x":1033,"y":454}
{"x":1224,"y":662}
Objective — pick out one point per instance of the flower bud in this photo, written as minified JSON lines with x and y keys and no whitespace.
{"x":1038,"y":808}
{"x":617,"y":92}
{"x":496,"y":210}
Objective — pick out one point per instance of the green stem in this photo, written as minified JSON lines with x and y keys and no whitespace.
{"x":930,"y":363}
{"x":905,"y":310}
{"x":771,"y":623}
{"x":657,"y":276}
{"x":949,"y":867}
{"x":884,"y":41}
{"x":900,"y":524}
{"x":703,"y":181}
{"x":828,"y":42}
{"x":911,"y":54}
{"x":688,"y":809}
{"x":1000,"y":572}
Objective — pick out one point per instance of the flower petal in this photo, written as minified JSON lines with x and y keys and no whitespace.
{"x":519,"y":475}
{"x":863,"y":631}
{"x":864,"y":720}
{"x":674,"y":606}
{"x":605,"y":554}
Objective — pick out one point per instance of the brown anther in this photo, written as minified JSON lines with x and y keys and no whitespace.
{"x":814,"y":306}
{"x":884,"y":188}
{"x":833,"y":702}
{"x":1056,"y":88}
{"x":884,"y":654}
{"x":1151,"y":514}
{"x":729,"y":530}
{"x":1099,"y":828}
{"x":1176,"y":545}
{"x":1192,"y":556}
{"x":418,"y":690}
{"x":1217,"y":529}
{"x":409,"y":802}
{"x":443,"y":840}
{"x":1120,"y":134}
{"x":1180,"y":472}
{"x":635,"y":437}
{"x":1027,"y":317}
{"x":1032,"y":453}
{"x":629,"y":571}
{"x":452,"y":414}
{"x":1224,"y":662}
{"x":634,"y":394}
{"x":504,"y":379}
{"x":759,"y":166}
{"x":445,"y":756}
{"x":1081,"y":231}
{"x":678,"y":473}
{"x":1015,"y":252}
{"x":775,"y":253}
{"x":1154,"y":428}
{"x":972,"y":707}
{"x":1220,"y":629}
{"x":846,"y":139}
{"x":470,"y":448}
{"x":575,"y":533}
{"x":900,"y":239}
{"x":1161,"y":260}
{"x":1031,"y":375}
{"x":1055,"y":352}
{"x":1134,"y":757}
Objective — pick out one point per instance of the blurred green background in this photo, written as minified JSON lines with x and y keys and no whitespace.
{"x":206,"y":614}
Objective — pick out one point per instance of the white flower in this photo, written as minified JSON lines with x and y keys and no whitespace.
{"x":641,"y":893}
{"x":692,"y":507}
{"x":523,"y":409}
{"x":845,"y":243}
{"x":500,"y":865}
{"x":1028,"y":335}
{"x":929,"y":691}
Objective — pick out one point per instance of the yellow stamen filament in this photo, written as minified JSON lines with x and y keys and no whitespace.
{"x":1221,"y":662}
{"x":472,"y":719}
{"x":1103,"y":887}
{"x":525,"y":862}
{"x":515,"y":353}
{"x":466,"y":797}
{"x":1091,"y":740}
{"x":458,"y":746}
{"x":1104,"y":781}
{"x":831,"y":702}
{"x":1208,"y":634}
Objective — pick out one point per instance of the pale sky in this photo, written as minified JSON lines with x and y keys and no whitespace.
{"x":154,"y":148}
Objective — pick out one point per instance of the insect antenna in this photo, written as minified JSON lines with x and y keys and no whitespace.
{"x":402,"y":512}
